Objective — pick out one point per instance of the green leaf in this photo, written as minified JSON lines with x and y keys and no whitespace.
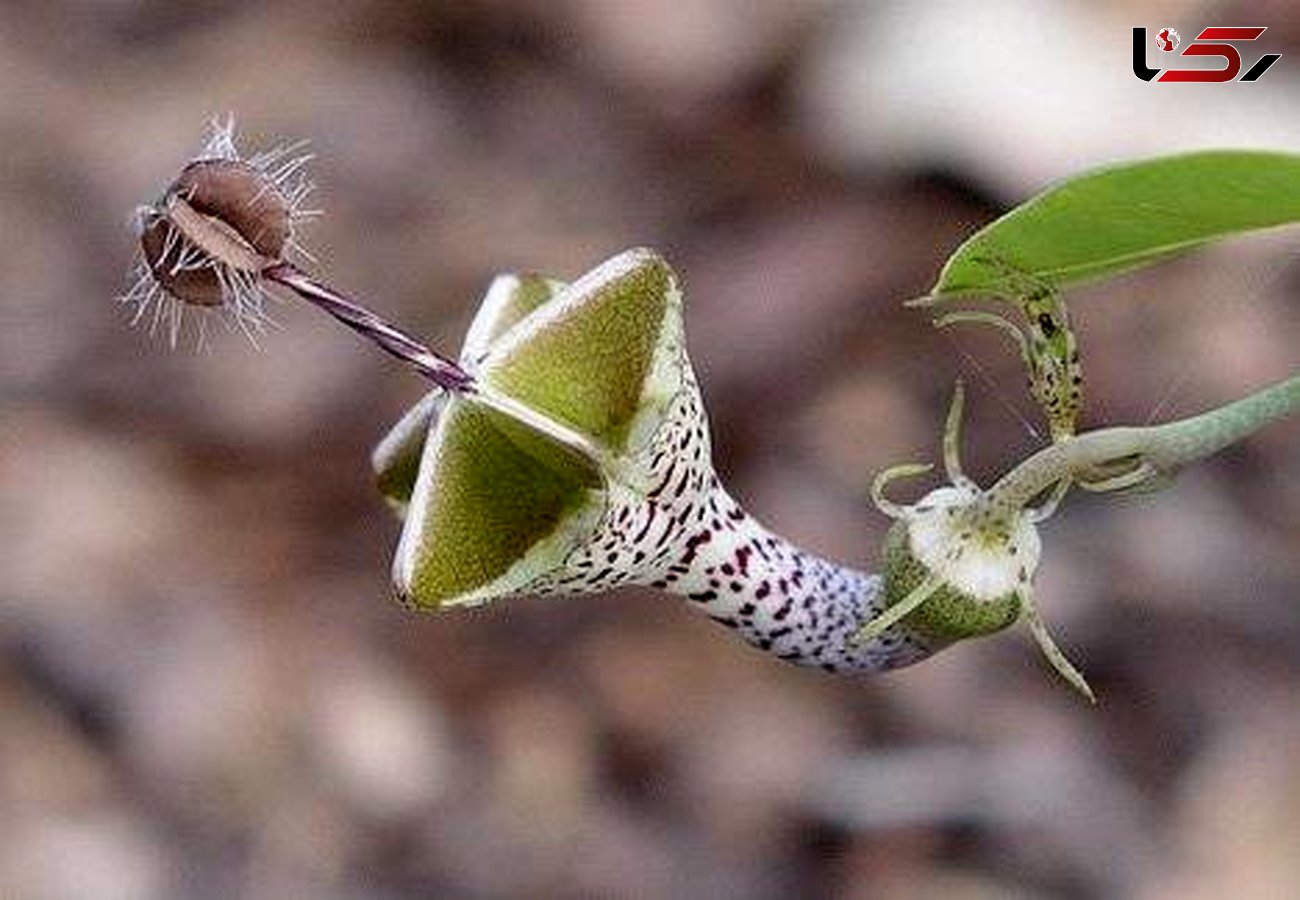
{"x":1126,"y":216}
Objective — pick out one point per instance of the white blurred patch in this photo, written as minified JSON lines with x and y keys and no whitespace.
{"x":380,"y":741}
{"x":1020,"y":92}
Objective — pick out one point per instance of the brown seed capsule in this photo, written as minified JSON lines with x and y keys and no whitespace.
{"x":217,"y":213}
{"x":206,"y":244}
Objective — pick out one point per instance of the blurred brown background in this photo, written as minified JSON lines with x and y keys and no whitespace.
{"x":205,"y":691}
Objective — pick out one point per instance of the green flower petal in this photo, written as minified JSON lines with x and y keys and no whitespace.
{"x":496,"y":503}
{"x":396,"y":458}
{"x":514,"y":475}
{"x":591,"y":357}
{"x":509,"y":299}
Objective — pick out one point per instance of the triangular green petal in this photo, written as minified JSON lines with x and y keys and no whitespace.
{"x":509,"y":298}
{"x":506,"y":480}
{"x":396,"y":458}
{"x":600,"y":353}
{"x":496,"y":503}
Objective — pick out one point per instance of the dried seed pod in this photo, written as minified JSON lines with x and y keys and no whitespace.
{"x":205,"y":243}
{"x":220,"y":217}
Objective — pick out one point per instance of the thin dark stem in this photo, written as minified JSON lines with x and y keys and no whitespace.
{"x":433,"y":365}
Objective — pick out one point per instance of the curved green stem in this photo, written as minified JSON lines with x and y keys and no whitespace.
{"x":884,"y":478}
{"x":980,"y":317}
{"x":952,"y":437}
{"x":1161,"y":449}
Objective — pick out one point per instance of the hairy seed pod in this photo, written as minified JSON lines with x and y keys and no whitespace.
{"x":207,"y":241}
{"x":226,"y":210}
